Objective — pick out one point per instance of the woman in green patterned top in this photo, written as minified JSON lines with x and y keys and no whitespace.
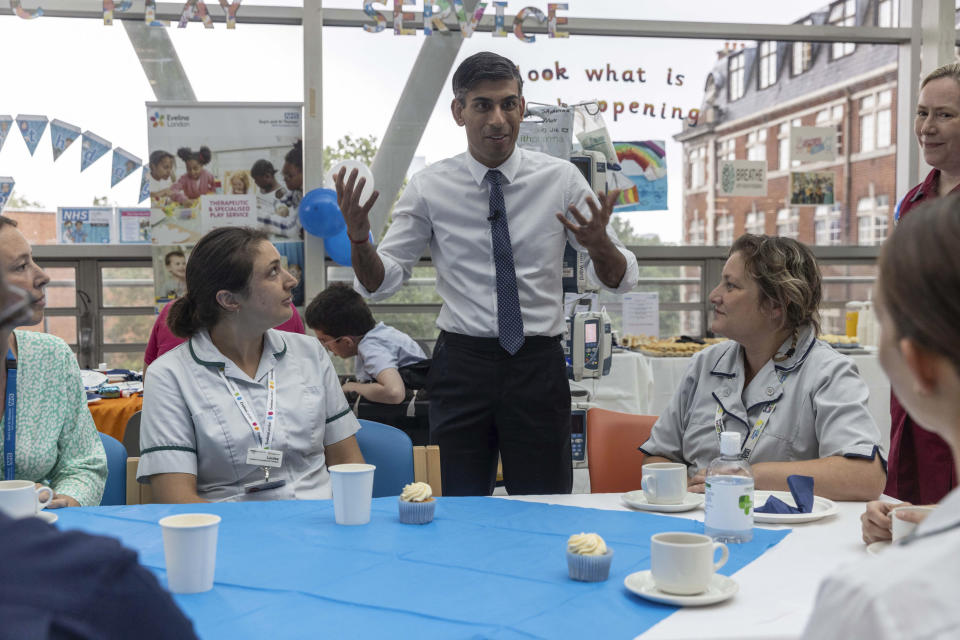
{"x":56,"y":441}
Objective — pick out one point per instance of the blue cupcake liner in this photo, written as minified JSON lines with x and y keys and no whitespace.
{"x":417,"y":512}
{"x":589,"y":568}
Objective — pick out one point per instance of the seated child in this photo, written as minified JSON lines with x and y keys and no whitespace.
{"x":343,"y":323}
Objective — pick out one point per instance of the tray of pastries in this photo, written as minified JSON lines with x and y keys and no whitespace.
{"x":674,"y":347}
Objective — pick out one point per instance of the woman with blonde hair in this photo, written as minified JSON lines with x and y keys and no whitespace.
{"x":800,"y":407}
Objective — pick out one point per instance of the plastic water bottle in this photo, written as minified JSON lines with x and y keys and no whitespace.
{"x":729,"y":494}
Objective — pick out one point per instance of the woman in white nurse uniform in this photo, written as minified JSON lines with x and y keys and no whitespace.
{"x":241,"y":411}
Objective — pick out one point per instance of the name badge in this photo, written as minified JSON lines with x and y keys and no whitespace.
{"x":261,"y":457}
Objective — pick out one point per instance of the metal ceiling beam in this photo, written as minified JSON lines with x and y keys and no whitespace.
{"x":160,"y":62}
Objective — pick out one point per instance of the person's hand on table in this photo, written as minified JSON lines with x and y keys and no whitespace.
{"x":60,"y":500}
{"x":351,"y":386}
{"x":696,"y":484}
{"x":355,"y":215}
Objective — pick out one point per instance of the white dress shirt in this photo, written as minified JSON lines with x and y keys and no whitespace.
{"x":908,"y":591}
{"x":191,"y":423}
{"x":821,"y":408}
{"x":446,"y":206}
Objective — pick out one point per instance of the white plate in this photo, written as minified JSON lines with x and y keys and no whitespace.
{"x":719,"y":589}
{"x":821,"y":509}
{"x":47,"y":516}
{"x":92,"y":400}
{"x":92,"y":379}
{"x":636,"y":500}
{"x":876,"y":548}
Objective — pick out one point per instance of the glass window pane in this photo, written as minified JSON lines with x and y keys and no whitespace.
{"x":62,"y":290}
{"x":64,"y":327}
{"x":127,"y":329}
{"x":132,"y":360}
{"x":127,"y":286}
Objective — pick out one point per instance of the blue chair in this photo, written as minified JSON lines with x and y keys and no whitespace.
{"x":116,"y":490}
{"x":391,"y":451}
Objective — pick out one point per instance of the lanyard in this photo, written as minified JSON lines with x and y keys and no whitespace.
{"x":10,"y":423}
{"x":264,"y":435}
{"x":747,"y":447}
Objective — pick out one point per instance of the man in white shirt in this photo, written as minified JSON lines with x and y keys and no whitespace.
{"x":496,"y":220}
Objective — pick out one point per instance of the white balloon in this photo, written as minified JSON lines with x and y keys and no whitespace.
{"x":362,"y":172}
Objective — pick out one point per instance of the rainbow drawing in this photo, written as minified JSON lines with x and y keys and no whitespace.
{"x":644,"y":163}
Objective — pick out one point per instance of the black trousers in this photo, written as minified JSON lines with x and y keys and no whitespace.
{"x":484,"y":401}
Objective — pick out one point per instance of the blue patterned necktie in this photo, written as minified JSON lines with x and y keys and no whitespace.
{"x":509,"y":320}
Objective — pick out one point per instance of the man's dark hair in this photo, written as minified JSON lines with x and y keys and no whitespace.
{"x":485,"y":65}
{"x":7,"y":222}
{"x":339,"y":311}
{"x":262,"y":168}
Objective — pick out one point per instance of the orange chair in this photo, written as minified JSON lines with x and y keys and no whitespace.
{"x":612,"y":441}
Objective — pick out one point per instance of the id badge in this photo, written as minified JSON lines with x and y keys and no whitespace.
{"x":261,"y":457}
{"x":262,"y":485}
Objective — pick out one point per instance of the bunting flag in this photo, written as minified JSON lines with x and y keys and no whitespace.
{"x":124,"y":163}
{"x":6,"y":190}
{"x":5,"y":123}
{"x":62,"y":136}
{"x":144,"y":184}
{"x":32,"y":128}
{"x":92,"y":149}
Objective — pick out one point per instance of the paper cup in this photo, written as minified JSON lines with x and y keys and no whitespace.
{"x":352,"y":492}
{"x":902,"y":528}
{"x":190,"y":549}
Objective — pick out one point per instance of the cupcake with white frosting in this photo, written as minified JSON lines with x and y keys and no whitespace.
{"x":417,"y":504}
{"x":588,"y":557}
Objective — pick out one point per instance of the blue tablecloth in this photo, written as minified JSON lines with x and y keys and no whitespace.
{"x":483,"y":568}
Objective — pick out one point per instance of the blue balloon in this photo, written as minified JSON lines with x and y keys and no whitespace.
{"x":338,"y":247}
{"x":319,"y":213}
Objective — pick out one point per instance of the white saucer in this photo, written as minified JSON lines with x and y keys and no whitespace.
{"x":636,"y":500}
{"x":821,"y":508}
{"x":719,"y":589}
{"x":92,"y":379}
{"x":876,"y":548}
{"x":47,"y":516}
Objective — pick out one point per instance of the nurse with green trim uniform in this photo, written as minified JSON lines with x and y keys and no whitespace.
{"x":241,"y":411}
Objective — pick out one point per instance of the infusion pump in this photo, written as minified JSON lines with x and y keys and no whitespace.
{"x":593,"y":166}
{"x":588,"y":345}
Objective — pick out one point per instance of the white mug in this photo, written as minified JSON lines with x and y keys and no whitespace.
{"x":902,"y":528}
{"x":21,"y":499}
{"x":664,"y":482}
{"x":682,"y":563}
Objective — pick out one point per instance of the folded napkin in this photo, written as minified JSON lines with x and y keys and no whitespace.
{"x":801,"y":487}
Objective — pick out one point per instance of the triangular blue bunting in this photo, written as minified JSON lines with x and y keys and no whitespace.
{"x":62,"y":136}
{"x":32,"y":128}
{"x":93,"y":148}
{"x":144,"y":184}
{"x":6,"y":190}
{"x":5,"y":123}
{"x":124,"y":163}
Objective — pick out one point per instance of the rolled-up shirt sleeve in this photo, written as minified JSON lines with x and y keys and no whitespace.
{"x":577,"y":194}
{"x":406,"y":240}
{"x":666,"y":438}
{"x":168,"y":440}
{"x":842,"y":418}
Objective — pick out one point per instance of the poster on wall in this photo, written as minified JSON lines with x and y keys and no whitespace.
{"x":812,"y":187}
{"x":742,"y":178}
{"x":85,"y":225}
{"x":211,"y":164}
{"x":644,"y":163}
{"x":169,"y":272}
{"x":291,"y":255}
{"x":813,"y":144}
{"x":133,"y":225}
